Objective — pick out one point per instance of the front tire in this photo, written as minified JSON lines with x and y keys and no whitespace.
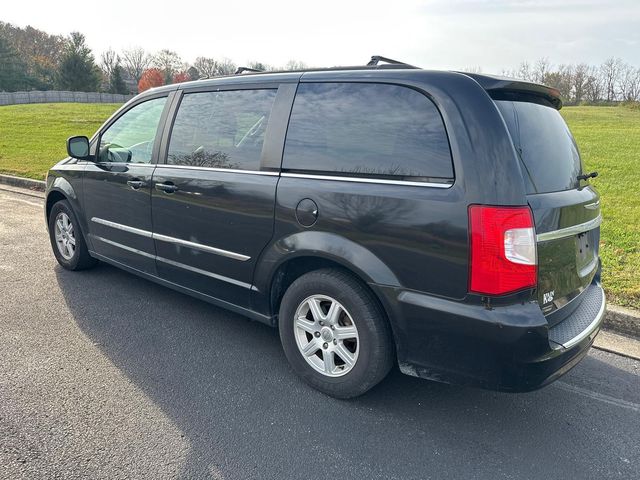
{"x":334,"y":333}
{"x":67,"y":240}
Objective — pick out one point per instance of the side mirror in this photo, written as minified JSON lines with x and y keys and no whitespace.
{"x":78,"y":147}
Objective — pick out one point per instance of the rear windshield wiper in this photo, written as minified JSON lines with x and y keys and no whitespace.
{"x":587,"y":176}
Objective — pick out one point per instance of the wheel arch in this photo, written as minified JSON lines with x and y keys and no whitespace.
{"x":288,"y":259}
{"x":52,"y":198}
{"x":61,"y":189}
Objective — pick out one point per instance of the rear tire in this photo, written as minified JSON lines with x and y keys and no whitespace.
{"x":334,"y":333}
{"x":67,"y":240}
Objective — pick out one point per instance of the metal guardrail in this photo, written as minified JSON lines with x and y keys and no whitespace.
{"x":55,"y":96}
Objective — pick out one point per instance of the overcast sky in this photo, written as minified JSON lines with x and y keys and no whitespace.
{"x":445,"y":34}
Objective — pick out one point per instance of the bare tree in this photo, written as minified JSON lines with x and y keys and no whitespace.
{"x":524,"y":71}
{"x":629,"y":83}
{"x":108,"y":61}
{"x":169,"y":62}
{"x":135,"y":61}
{"x":541,"y":70}
{"x":226,"y":67}
{"x":295,"y":65}
{"x":593,"y":85}
{"x":207,"y":67}
{"x":579,"y":82}
{"x":610,"y":75}
{"x":263,"y":67}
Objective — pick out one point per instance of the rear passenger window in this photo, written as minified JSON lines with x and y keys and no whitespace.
{"x":369,"y":130}
{"x":221,"y":129}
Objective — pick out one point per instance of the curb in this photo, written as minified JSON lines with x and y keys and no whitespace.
{"x":20,"y":182}
{"x":622,"y":320}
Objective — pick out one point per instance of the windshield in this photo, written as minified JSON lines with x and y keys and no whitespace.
{"x":550,"y":158}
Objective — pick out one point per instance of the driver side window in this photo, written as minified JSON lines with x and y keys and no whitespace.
{"x":130,"y":139}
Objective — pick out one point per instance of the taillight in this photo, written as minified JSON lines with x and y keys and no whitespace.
{"x":503,"y":249}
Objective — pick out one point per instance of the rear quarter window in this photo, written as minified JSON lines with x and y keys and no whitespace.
{"x":549,"y":154}
{"x":367,"y":130}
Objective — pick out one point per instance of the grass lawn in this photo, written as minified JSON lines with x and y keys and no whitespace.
{"x":32,"y":138}
{"x":609,"y":140}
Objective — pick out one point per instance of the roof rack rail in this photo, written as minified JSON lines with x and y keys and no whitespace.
{"x":247,"y":69}
{"x":375,"y":59}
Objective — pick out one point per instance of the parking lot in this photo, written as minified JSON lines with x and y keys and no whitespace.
{"x":106,"y":375}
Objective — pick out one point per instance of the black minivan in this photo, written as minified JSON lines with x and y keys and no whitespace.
{"x":375,"y":215}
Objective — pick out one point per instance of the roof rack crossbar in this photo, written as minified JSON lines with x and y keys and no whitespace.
{"x":375,"y":59}
{"x":247,"y":69}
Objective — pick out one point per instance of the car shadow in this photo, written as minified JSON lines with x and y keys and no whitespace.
{"x":224,"y":381}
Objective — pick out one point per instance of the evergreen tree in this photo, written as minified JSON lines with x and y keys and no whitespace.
{"x":116,"y":82}
{"x":78,"y":71}
{"x":13,"y":75}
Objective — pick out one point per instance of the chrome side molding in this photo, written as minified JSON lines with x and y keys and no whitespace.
{"x":171,"y":262}
{"x":200,"y":246}
{"x":366,"y":180}
{"x":162,"y":166}
{"x":168,"y":239}
{"x":119,"y":226}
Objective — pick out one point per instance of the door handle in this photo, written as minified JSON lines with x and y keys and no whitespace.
{"x":167,"y":187}
{"x":136,"y":184}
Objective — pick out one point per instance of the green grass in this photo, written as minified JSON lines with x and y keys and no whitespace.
{"x":609,"y":141}
{"x":32,"y":138}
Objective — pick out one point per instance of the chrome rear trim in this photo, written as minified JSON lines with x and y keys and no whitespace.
{"x":569,"y":231}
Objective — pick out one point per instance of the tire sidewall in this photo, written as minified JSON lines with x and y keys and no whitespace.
{"x":63,"y":206}
{"x":361,"y":310}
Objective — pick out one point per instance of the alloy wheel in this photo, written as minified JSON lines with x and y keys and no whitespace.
{"x":326,"y":335}
{"x":65,"y":236}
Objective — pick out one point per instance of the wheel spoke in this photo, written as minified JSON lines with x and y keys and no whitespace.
{"x":344,"y":333}
{"x":345,"y":355}
{"x":316,"y":332}
{"x":72,"y":241}
{"x":302,"y":323}
{"x":310,"y":348}
{"x":316,"y":311}
{"x":59,"y":225}
{"x":329,"y":362}
{"x":65,"y":221}
{"x":334,"y":313}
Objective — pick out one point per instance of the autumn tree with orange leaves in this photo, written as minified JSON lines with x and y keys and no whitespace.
{"x":150,"y":78}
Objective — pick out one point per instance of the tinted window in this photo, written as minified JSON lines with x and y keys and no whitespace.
{"x":130,"y":139}
{"x":366,"y":129}
{"x":548,"y":151}
{"x":221,"y":129}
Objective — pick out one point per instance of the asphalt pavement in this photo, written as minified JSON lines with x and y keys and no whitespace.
{"x":106,"y":375}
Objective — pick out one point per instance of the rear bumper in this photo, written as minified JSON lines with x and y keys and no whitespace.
{"x":507,"y":348}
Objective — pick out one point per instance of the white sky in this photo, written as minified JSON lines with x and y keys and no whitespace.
{"x":432,"y":34}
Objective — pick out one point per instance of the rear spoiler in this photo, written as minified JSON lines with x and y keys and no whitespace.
{"x":504,"y":88}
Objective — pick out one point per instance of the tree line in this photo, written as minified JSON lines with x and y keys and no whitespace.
{"x":31,"y":59}
{"x":610,"y":82}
